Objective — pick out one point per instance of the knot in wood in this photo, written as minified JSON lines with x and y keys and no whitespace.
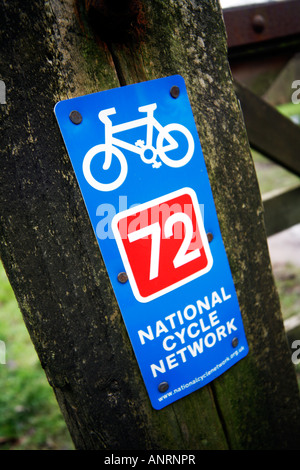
{"x":116,"y":20}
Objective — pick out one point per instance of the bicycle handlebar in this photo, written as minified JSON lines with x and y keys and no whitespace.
{"x":103,"y":115}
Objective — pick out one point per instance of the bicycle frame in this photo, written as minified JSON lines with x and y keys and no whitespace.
{"x":148,"y":121}
{"x":111,"y":146}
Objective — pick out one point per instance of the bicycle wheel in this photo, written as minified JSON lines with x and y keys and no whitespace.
{"x":172,"y":145}
{"x":86,"y":167}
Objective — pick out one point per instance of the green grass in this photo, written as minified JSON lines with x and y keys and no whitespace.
{"x":287,"y":278}
{"x":29,"y":414}
{"x":270,"y":175}
{"x":291,"y":110}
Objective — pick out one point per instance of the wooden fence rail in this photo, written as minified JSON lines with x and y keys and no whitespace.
{"x":278,"y":138}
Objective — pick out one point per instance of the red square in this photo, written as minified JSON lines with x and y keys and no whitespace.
{"x":162,"y":243}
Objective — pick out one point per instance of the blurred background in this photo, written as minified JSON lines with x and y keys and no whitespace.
{"x":268,"y":64}
{"x":264,"y":56}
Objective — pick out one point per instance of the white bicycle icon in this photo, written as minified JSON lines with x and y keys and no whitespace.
{"x":147,"y":152}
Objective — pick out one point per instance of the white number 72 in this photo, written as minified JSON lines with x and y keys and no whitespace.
{"x":182,"y":257}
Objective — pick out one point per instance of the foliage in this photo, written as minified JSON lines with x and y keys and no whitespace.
{"x":29,"y":414}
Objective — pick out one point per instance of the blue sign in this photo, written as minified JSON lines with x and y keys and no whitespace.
{"x":137,"y":157}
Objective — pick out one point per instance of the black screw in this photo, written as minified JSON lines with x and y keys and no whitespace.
{"x":122,"y":277}
{"x":174,"y":92}
{"x":235,"y":342}
{"x":209,"y":236}
{"x":75,"y":117}
{"x":163,"y":387}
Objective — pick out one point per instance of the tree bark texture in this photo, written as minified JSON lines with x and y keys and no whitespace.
{"x":58,"y":49}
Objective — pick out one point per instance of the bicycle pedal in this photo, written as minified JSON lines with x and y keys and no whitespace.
{"x":156,"y":164}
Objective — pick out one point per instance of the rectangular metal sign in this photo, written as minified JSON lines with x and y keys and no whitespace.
{"x":137,"y":157}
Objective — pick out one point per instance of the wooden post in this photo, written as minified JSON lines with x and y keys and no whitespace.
{"x":55,"y":50}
